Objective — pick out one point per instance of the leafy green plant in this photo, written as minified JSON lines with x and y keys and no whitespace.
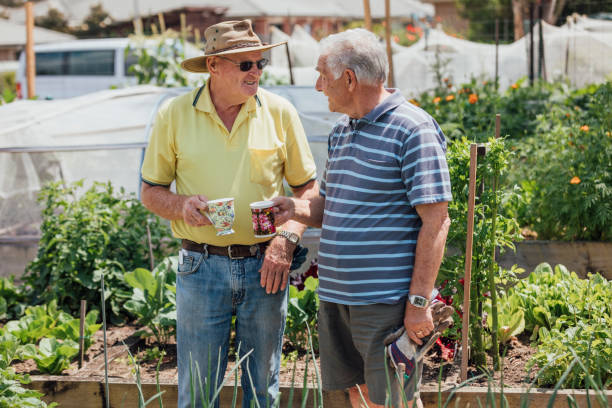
{"x":487,"y":235}
{"x":569,"y":317}
{"x":158,"y":59}
{"x":87,"y":234}
{"x":570,"y":157}
{"x":153,"y":299}
{"x":53,"y":356}
{"x":302,"y":311}
{"x":38,"y":322}
{"x":11,"y":299}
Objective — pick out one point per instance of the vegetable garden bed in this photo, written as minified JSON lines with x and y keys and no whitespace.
{"x":85,"y":387}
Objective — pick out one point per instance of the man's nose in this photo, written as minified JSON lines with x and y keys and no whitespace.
{"x":318,"y":86}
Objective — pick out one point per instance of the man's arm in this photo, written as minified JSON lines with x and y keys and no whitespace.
{"x":306,"y":211}
{"x":161,"y":201}
{"x":275,"y":268}
{"x":428,"y":257}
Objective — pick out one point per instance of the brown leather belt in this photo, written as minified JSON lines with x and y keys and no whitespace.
{"x":231,"y":251}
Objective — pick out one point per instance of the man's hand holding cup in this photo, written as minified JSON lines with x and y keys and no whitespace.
{"x":193,"y":209}
{"x":284,"y":209}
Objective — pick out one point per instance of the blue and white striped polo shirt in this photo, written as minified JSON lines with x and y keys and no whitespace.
{"x":378,"y":169}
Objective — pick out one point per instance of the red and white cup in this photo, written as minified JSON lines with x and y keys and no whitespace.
{"x":262,"y":216}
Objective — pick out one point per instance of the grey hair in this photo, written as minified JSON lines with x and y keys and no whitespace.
{"x":358,"y":50}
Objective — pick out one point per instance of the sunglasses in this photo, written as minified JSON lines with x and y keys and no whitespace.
{"x":245,"y":66}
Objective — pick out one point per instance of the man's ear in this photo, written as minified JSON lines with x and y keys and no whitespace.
{"x":211,"y":64}
{"x":351,"y":79}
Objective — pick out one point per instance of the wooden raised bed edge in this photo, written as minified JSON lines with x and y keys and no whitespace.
{"x":74,"y":392}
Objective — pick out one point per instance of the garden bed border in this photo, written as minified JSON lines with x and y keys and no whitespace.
{"x":75,"y":392}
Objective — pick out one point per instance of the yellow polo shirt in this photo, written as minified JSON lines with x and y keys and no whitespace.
{"x":191,"y":145}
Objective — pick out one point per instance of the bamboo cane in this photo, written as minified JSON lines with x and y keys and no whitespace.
{"x":30,"y":56}
{"x":468,"y":261}
{"x":367,"y":15}
{"x":390,"y":80}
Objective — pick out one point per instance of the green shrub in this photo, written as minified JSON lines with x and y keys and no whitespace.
{"x":153,"y":300}
{"x":568,"y":315}
{"x":566,"y":168}
{"x":87,"y":236}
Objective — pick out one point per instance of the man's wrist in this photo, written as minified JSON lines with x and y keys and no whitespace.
{"x":291,"y":237}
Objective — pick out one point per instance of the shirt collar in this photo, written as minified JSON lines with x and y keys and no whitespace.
{"x":203,"y":102}
{"x":390,"y":102}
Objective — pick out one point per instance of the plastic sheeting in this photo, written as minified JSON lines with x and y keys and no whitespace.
{"x":580,"y":50}
{"x":100,"y":137}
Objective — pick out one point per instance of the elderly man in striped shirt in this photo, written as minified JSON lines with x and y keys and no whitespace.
{"x":383,"y":212}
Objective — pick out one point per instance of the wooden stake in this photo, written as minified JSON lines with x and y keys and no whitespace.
{"x":497,"y":125}
{"x":367,"y":15}
{"x":151,"y":258}
{"x":183,"y":27}
{"x":82,"y":333}
{"x":30,"y":56}
{"x":467,"y":280}
{"x":496,"y":53}
{"x":162,"y":22}
{"x":390,"y":81}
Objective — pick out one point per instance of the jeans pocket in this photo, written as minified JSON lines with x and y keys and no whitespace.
{"x":190,"y":264}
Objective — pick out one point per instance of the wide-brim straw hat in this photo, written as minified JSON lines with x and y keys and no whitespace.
{"x":228,"y":37}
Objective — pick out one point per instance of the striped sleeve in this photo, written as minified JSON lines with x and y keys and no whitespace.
{"x":424,"y":170}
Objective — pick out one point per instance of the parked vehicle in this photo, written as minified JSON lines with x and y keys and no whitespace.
{"x":78,"y":67}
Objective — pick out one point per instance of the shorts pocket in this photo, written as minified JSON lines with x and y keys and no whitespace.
{"x":266,"y":165}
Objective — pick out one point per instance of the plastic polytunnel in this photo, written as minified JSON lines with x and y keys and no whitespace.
{"x":100,"y":137}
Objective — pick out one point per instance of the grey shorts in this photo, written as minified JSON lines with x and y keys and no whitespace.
{"x":352,"y":351}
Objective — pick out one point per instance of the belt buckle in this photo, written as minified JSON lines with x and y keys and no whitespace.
{"x":229,"y":253}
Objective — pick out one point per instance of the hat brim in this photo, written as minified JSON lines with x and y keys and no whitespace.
{"x":198,"y":64}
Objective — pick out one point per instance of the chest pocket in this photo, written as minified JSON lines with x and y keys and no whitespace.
{"x":266,"y":165}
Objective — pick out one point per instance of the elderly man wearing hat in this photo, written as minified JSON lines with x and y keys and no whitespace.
{"x":228,"y":138}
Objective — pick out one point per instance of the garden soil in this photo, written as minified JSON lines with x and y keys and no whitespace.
{"x":119,"y":339}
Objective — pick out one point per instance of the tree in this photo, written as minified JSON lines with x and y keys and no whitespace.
{"x":482,"y":13}
{"x":54,"y":20}
{"x":96,"y":24}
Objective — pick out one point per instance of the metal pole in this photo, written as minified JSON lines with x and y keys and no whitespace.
{"x":107,"y":396}
{"x":390,"y":80}
{"x":467,"y":280}
{"x":30,"y":56}
{"x":367,"y":15}
{"x":531,"y":62}
{"x":291,"y":79}
{"x":82,"y":333}
{"x":541,"y":64}
{"x":496,"y":53}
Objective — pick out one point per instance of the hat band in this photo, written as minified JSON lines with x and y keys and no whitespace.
{"x":233,"y":47}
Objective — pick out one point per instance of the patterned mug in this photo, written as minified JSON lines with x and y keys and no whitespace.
{"x":221,"y":214}
{"x":263,"y":219}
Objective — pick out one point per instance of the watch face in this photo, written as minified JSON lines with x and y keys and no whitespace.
{"x":418,"y":301}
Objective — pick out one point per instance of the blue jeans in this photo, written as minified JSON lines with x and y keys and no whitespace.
{"x":209,"y":290}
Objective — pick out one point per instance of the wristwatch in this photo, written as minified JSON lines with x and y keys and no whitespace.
{"x":291,"y":236}
{"x":418,"y":301}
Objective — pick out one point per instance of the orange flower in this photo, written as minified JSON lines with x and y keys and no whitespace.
{"x":396,"y":38}
{"x":575,"y":180}
{"x":445,"y":79}
{"x":473,"y":98}
{"x":437,"y":99}
{"x":584,"y":128}
{"x":515,"y":86}
{"x":608,"y":134}
{"x":485,"y":82}
{"x":414,"y":102}
{"x":450,"y":98}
